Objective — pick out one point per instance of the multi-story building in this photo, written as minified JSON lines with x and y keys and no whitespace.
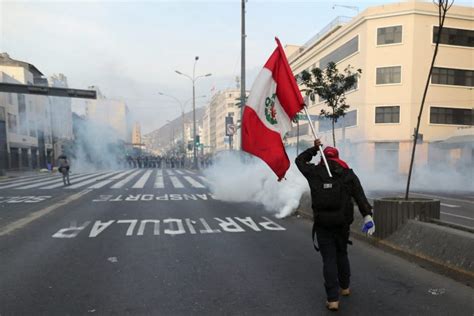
{"x":61,"y":116}
{"x":112,"y":113}
{"x":27,"y":118}
{"x":393,"y":44}
{"x":222,"y":105}
{"x":136,"y":135}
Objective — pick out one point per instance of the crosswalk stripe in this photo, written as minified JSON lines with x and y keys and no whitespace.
{"x":59,"y":180}
{"x":189,"y":172}
{"x":22,"y":182}
{"x":120,"y":175}
{"x":100,"y":184}
{"x":121,"y":183}
{"x":176,"y":182}
{"x":141,"y":182}
{"x":193,"y":182}
{"x":83,"y":183}
{"x":15,"y":179}
{"x":159,"y":184}
{"x":203,"y":179}
{"x":59,"y":183}
{"x":170,"y":172}
{"x":179,"y":172}
{"x":159,"y":172}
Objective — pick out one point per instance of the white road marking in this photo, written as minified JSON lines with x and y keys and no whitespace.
{"x":159,"y":172}
{"x":179,"y":172}
{"x":176,"y":182}
{"x":189,"y":171}
{"x":121,"y":183}
{"x":16,"y":179}
{"x":35,"y":215}
{"x":193,"y":182}
{"x":159,"y":184}
{"x":18,"y":183}
{"x":449,"y":205}
{"x":142,"y":181}
{"x":83,"y":183}
{"x":61,"y":184}
{"x":58,"y":181}
{"x":120,"y":175}
{"x":101,"y":184}
{"x":454,"y":215}
{"x":203,"y":179}
{"x":170,"y":172}
{"x":444,"y":198}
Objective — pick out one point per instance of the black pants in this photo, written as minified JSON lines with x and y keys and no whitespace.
{"x":336,"y":267}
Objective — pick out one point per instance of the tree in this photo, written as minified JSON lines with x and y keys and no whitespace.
{"x":330,"y":85}
{"x":443,"y":7}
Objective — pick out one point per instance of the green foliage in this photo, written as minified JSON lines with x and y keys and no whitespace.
{"x":330,"y":85}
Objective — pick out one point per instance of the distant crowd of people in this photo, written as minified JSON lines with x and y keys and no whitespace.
{"x":166,"y":161}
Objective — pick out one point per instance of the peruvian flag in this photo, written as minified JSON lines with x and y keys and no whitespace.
{"x":273,"y":102}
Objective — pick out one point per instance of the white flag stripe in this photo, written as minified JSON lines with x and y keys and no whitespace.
{"x":58,"y":180}
{"x":159,"y":182}
{"x":193,"y":182}
{"x":120,"y":175}
{"x":100,"y":184}
{"x":59,"y":183}
{"x":170,"y":172}
{"x":121,"y":183}
{"x":179,"y":172}
{"x":83,"y":183}
{"x":176,"y":182}
{"x":141,"y":182}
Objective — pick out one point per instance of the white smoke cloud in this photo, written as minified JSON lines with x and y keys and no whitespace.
{"x":237,"y":177}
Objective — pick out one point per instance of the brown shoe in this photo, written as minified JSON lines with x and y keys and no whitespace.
{"x":332,"y":306}
{"x":346,"y":292}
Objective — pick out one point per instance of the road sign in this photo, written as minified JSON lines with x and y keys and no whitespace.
{"x":303,"y":117}
{"x":230,"y":130}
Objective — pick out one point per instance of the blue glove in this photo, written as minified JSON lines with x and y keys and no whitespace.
{"x":369,"y":225}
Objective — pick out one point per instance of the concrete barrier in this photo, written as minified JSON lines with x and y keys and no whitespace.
{"x":439,"y":248}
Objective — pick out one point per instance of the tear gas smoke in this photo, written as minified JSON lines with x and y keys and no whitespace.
{"x":96,"y":147}
{"x":238,"y":177}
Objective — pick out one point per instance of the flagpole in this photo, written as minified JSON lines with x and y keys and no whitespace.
{"x":316,"y":137}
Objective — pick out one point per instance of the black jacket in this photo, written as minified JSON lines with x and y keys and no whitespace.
{"x":350,"y":180}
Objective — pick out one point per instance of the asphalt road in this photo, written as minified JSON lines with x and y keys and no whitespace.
{"x":159,"y":244}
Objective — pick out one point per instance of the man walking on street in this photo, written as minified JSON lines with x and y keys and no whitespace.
{"x":333,"y":212}
{"x":63,"y":164}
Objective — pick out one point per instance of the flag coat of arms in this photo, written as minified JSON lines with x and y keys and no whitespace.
{"x":274,"y":101}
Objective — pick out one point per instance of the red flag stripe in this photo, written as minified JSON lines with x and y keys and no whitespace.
{"x":264,"y":143}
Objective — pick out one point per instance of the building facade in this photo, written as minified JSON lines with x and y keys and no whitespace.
{"x":393,"y":44}
{"x":111,"y":113}
{"x":25,"y":120}
{"x":224,"y":104}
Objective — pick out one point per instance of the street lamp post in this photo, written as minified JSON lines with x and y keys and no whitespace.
{"x":182,"y":106}
{"x":193,"y":80}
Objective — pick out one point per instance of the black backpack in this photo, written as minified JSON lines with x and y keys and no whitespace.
{"x":330,"y":197}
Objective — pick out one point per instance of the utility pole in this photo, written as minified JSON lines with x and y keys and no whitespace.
{"x":242,"y":70}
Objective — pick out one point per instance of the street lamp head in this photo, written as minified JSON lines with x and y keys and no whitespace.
{"x":196,"y":58}
{"x":161,"y":93}
{"x":178,"y":72}
{"x":208,"y":75}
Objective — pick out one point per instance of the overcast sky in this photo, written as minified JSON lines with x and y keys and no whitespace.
{"x":130,"y":49}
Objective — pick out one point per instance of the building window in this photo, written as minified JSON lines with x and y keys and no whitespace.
{"x":12,"y":127}
{"x":387,"y":114}
{"x":456,"y":37}
{"x":340,"y":53}
{"x":348,"y":120}
{"x":389,"y":75}
{"x":455,"y":77}
{"x":229,"y":105}
{"x":439,"y":115}
{"x":389,"y":35}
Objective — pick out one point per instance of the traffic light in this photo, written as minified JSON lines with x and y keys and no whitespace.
{"x":197,"y":141}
